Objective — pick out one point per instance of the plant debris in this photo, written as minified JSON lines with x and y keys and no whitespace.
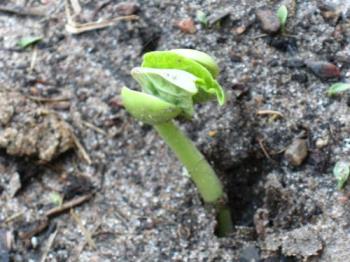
{"x":31,"y":131}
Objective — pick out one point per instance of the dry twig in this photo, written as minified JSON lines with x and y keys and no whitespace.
{"x":68,"y":205}
{"x":269,"y":112}
{"x":20,"y":11}
{"x":78,"y":28}
{"x":49,"y":100}
{"x":87,"y":234}
{"x":49,"y":245}
{"x":263,"y":148}
{"x":93,"y":127}
{"x":82,"y":152}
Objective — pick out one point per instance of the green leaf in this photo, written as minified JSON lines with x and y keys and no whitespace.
{"x":172,"y":85}
{"x":202,"y":18}
{"x":148,"y":108}
{"x":338,"y":88}
{"x":200,"y":57}
{"x":341,"y":172}
{"x":29,"y":41}
{"x":208,"y":86}
{"x":282,"y":14}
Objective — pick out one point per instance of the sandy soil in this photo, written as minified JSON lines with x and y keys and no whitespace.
{"x":143,"y":208}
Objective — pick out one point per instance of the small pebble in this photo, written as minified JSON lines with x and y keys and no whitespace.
{"x":34,"y":241}
{"x":240,"y":30}
{"x":218,"y":16}
{"x":268,"y":20}
{"x":212,"y":133}
{"x":321,"y":142}
{"x":301,"y":78}
{"x":323,"y":69}
{"x":187,"y":26}
{"x":296,"y":152}
{"x":284,"y":44}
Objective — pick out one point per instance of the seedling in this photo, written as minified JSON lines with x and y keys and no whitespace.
{"x":202,"y":18}
{"x":172,"y":82}
{"x":282,"y":14}
{"x":341,"y":172}
{"x":338,"y":88}
{"x":29,"y":41}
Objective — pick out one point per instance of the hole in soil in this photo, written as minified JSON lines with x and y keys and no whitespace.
{"x":244,"y":191}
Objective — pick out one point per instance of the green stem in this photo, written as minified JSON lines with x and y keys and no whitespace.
{"x":202,"y":174}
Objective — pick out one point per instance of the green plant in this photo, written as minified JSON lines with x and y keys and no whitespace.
{"x":338,"y":88}
{"x":202,"y":18}
{"x":172,"y":82}
{"x":29,"y":41}
{"x":282,"y":14}
{"x":341,"y":171}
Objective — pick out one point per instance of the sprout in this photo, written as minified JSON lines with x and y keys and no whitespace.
{"x":282,"y":14}
{"x":202,"y":18}
{"x":172,"y":82}
{"x":338,"y":88}
{"x":29,"y":41}
{"x":341,"y":172}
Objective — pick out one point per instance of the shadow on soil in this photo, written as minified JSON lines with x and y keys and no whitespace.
{"x":245,"y":188}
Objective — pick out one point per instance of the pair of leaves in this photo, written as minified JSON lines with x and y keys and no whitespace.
{"x":175,"y":80}
{"x":198,"y":64}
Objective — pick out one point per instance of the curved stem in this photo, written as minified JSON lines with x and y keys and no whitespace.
{"x":202,"y":174}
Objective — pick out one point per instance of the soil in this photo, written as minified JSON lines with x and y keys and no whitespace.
{"x":136,"y":203}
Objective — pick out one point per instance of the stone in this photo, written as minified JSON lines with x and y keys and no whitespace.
{"x":268,"y":20}
{"x":296,"y":152}
{"x":323,"y":69}
{"x":186,"y":26}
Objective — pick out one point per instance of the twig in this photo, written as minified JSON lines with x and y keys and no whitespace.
{"x":81,"y":247}
{"x":20,"y":11}
{"x":34,"y":59}
{"x":44,"y":99}
{"x":68,"y":205}
{"x":86,"y":233}
{"x":13,"y":217}
{"x":262,"y":146}
{"x":49,"y":245}
{"x":76,"y":6}
{"x":81,"y":149}
{"x":259,"y":36}
{"x":78,"y":28}
{"x":93,"y":127}
{"x":269,"y":112}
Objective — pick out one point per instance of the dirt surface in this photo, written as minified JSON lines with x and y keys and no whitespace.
{"x":274,"y":143}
